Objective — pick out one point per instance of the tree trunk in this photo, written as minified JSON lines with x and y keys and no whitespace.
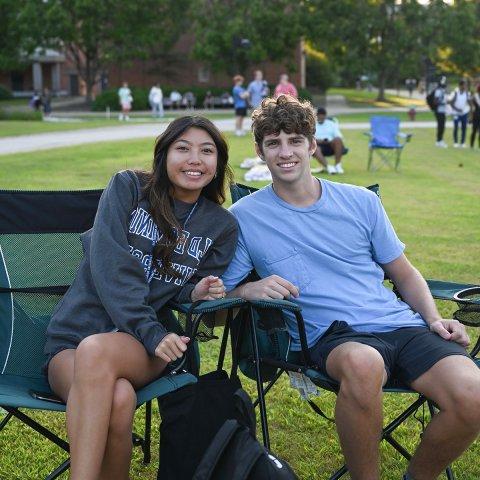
{"x":89,"y":81}
{"x":381,"y":87}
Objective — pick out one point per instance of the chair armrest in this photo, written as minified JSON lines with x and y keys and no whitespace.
{"x":206,"y":306}
{"x":281,"y":304}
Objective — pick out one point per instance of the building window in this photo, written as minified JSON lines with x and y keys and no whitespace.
{"x":17,"y":81}
{"x":204,"y":74}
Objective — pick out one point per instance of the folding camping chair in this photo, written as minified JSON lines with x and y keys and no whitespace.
{"x":263,"y":351}
{"x":387,"y":141}
{"x":40,"y":250}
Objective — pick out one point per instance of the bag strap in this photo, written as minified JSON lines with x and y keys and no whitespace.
{"x":319,"y":411}
{"x":215,"y":450}
{"x":244,"y":405}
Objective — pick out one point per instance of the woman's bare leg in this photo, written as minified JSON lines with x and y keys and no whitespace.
{"x":96,"y":423}
{"x":118,"y":452}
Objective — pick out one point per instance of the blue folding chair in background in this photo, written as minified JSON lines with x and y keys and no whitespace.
{"x":387,"y":141}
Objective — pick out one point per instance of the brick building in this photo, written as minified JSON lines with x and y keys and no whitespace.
{"x":56,"y":71}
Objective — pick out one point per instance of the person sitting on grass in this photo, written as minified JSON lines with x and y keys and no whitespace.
{"x":327,"y":247}
{"x":329,"y":142}
{"x":157,"y":235}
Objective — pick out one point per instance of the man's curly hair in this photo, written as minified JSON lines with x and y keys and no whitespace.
{"x":283,"y":113}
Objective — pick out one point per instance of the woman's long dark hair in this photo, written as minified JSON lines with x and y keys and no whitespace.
{"x":159,"y":189}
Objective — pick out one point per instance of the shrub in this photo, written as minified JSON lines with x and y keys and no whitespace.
{"x":5,"y":93}
{"x":305,"y":94}
{"x":19,"y":115}
{"x":140,"y":96}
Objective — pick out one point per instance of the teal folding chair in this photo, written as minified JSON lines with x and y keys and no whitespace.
{"x":264,"y":354}
{"x":40,"y":250}
{"x":386,"y":141}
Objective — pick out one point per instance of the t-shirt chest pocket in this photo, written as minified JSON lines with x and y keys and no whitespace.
{"x":290,"y":266}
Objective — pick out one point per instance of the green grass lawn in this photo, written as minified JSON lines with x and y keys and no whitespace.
{"x":433,"y":203}
{"x":356,"y":97}
{"x":10,"y":128}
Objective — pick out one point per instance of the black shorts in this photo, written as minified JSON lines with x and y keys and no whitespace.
{"x":241,"y":112}
{"x":407,"y":352}
{"x":326,"y":149}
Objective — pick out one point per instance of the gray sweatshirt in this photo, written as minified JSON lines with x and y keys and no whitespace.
{"x":116,"y":288}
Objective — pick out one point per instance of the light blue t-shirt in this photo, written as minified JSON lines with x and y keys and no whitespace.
{"x":257,"y":90}
{"x":330,"y":250}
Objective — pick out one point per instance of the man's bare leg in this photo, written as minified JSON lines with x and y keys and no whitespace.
{"x":318,"y":155}
{"x":337,"y":147}
{"x":453,"y":384}
{"x":360,"y":369}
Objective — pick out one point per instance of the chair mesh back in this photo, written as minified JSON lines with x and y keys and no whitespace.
{"x":385,"y":131}
{"x":42,"y":258}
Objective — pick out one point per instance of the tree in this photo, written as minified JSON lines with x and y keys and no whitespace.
{"x":460,"y":52}
{"x":232,"y":34}
{"x":96,"y":34}
{"x":380,"y":38}
{"x":18,"y":39}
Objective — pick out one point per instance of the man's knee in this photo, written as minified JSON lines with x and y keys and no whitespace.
{"x":360,"y":371}
{"x":123,"y":407}
{"x":464,"y":402}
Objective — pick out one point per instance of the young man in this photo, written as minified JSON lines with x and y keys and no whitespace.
{"x":460,"y":103}
{"x":240,"y":96}
{"x":257,"y":89}
{"x":329,"y":142}
{"x":441,"y":110}
{"x":327,"y":246}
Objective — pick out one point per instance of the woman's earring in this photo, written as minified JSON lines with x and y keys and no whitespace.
{"x":216,"y":175}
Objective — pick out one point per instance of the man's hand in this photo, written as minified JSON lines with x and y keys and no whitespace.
{"x":269,"y":288}
{"x":208,"y":288}
{"x":171,"y":347}
{"x":451,"y":330}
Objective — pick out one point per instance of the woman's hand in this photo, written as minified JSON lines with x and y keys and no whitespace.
{"x":171,"y":347}
{"x":208,"y":288}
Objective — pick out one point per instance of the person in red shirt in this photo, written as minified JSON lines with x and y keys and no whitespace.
{"x":285,"y":87}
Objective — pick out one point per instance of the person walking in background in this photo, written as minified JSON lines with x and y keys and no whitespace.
{"x":460,"y":103}
{"x":440,"y":100}
{"x":240,"y":96}
{"x":155,"y":97}
{"x":329,"y":142}
{"x":285,"y":87}
{"x":47,"y":102}
{"x":35,"y":101}
{"x":209,"y":100}
{"x":475,"y":117}
{"x":257,"y":89}
{"x":125,"y":98}
{"x":175,"y":99}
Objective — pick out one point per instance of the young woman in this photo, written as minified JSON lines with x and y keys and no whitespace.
{"x":157,"y":235}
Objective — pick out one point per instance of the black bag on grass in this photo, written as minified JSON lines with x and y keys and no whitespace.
{"x":192,"y":416}
{"x":235,"y":454}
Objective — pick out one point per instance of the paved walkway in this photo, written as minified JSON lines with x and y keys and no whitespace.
{"x":45,"y":141}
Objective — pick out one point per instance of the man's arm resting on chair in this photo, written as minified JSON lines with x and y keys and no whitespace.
{"x":268,"y":288}
{"x":415,"y":292}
